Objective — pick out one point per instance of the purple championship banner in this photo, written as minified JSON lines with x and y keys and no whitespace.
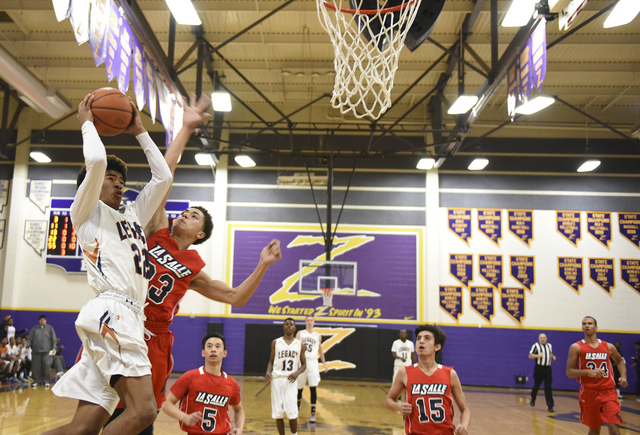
{"x":490,"y":268}
{"x":451,"y":300}
{"x":490,"y":224}
{"x":629,"y":224}
{"x":375,"y":273}
{"x":124,"y":67}
{"x":512,"y":301}
{"x":150,"y":80}
{"x":482,"y":301}
{"x":113,"y":42}
{"x":569,"y":225}
{"x":138,"y":73}
{"x":601,"y":271}
{"x":513,"y":90}
{"x":538,"y":43}
{"x":459,"y":222}
{"x":461,"y":268}
{"x":630,"y":273}
{"x":98,"y":29}
{"x":570,"y":272}
{"x":599,"y":226}
{"x":523,"y":270}
{"x":521,"y":225}
{"x":526,"y":73}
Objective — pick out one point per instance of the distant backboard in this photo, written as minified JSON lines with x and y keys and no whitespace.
{"x":317,"y":274}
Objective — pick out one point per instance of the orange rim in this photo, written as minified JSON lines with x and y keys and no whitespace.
{"x":369,"y":11}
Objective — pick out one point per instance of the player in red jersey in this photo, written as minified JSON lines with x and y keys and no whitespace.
{"x":206,"y":393}
{"x":589,"y":362}
{"x":177,"y":268}
{"x":430,"y":388}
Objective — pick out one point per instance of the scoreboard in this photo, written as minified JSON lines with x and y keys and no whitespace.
{"x":63,"y":247}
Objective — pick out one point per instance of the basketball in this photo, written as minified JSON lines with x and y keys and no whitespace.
{"x":112,"y":112}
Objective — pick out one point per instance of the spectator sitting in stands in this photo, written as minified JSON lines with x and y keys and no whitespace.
{"x":14,"y":356}
{"x":25,"y":357}
{"x":11,"y":330}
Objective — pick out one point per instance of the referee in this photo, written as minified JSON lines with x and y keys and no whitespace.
{"x":543,"y":354}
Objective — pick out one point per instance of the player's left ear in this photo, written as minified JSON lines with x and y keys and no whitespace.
{"x":437,"y":347}
{"x":224,"y":355}
{"x":201,"y":235}
{"x":203,"y":353}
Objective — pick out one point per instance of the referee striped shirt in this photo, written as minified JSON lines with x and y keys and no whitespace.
{"x":542,"y":349}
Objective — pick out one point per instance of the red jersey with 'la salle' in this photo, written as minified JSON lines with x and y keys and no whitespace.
{"x":430,"y":399}
{"x":596,"y":358}
{"x":174,"y":270}
{"x":200,"y":391}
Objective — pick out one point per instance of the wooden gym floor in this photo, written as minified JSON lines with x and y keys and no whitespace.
{"x":344,"y":407}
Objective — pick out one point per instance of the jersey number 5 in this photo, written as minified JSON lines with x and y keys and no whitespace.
{"x":209,"y":419}
{"x":435,"y":408}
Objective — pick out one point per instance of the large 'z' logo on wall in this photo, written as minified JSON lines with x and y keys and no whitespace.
{"x":337,"y":336}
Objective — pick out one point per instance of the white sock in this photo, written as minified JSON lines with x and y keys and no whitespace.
{"x":294,"y":433}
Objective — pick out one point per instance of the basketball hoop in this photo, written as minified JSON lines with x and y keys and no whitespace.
{"x":327,"y":297}
{"x":367,"y":44}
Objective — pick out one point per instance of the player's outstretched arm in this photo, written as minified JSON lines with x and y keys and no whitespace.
{"x":95,"y":160}
{"x":622,"y":365}
{"x":461,"y":401}
{"x":321,"y":353}
{"x":268,"y":377}
{"x":238,"y":296}
{"x":170,"y":408}
{"x":195,"y":113}
{"x":395,"y":391}
{"x":238,"y":417}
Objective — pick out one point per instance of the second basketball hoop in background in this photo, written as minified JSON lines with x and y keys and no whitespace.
{"x":367,"y":36}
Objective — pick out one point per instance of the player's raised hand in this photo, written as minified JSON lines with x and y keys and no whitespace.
{"x":84,"y":109}
{"x":195,"y":112}
{"x":405,"y":408}
{"x":460,"y":430}
{"x":136,"y":127}
{"x":191,"y":419}
{"x":271,"y":253}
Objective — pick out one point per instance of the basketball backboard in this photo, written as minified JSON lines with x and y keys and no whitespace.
{"x":318,"y":274}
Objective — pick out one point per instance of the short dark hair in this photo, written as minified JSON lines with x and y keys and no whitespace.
{"x":214,"y":335}
{"x":591,"y":317}
{"x":42,"y":316}
{"x":207,"y":228}
{"x":114,"y":163}
{"x":289,"y":318}
{"x":439,"y":335}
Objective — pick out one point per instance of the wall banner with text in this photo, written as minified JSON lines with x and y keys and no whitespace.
{"x":630,"y":227}
{"x":521,"y":225}
{"x":451,"y":300}
{"x":570,"y":272}
{"x":569,"y":225}
{"x":461,"y":268}
{"x":599,"y":226}
{"x":482,"y":301}
{"x":459,"y":222}
{"x":490,"y":224}
{"x":630,"y":273}
{"x":490,"y":268}
{"x":523,"y":270}
{"x":512,"y":300}
{"x":601,"y":271}
{"x":377,"y":274}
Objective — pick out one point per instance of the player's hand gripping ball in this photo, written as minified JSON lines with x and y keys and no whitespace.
{"x":112,"y":111}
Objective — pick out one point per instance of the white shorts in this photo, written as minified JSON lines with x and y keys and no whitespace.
{"x":312,"y":374}
{"x":111,"y":328}
{"x":284,"y":397}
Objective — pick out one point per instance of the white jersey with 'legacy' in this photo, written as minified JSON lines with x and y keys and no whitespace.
{"x":311,"y":342}
{"x":287,"y":357}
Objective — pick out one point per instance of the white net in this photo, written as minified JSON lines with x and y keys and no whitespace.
{"x":367,"y":44}
{"x":327,"y":297}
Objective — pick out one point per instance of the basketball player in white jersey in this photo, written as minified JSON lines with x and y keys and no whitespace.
{"x":312,"y":341}
{"x":402,"y":352}
{"x":114,"y":364}
{"x":285,"y":365}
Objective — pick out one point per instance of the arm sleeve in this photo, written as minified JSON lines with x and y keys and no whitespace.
{"x":153,"y":193}
{"x":235,"y":399}
{"x":534,"y":349}
{"x":180,"y":388}
{"x":394,"y":346}
{"x":95,"y":159}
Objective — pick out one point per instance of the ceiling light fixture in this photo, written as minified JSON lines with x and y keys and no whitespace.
{"x":519,"y":14}
{"x":463,"y":104}
{"x":245,"y":161}
{"x":221,"y":101}
{"x":589,"y":166}
{"x":206,"y":159}
{"x":624,"y":12}
{"x":535,"y":105}
{"x":426,"y":164}
{"x":478,"y":164}
{"x":39,"y":157}
{"x":184,"y":12}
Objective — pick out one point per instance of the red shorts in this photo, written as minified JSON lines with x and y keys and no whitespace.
{"x":160,"y":345}
{"x":598,"y":407}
